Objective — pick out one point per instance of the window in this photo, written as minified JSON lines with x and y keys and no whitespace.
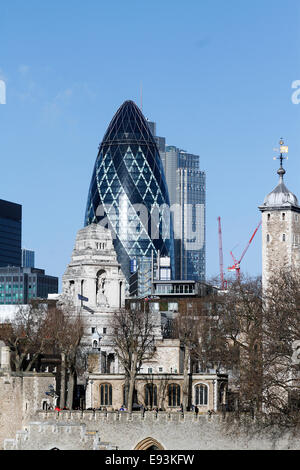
{"x":150,"y":395}
{"x":283,"y":216}
{"x":174,"y":395}
{"x":268,"y":238}
{"x":105,"y":394}
{"x":201,"y":394}
{"x":150,"y":370}
{"x":104,"y":330}
{"x":283,"y":237}
{"x":269,"y":216}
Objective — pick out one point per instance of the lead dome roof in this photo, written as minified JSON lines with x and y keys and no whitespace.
{"x":281,"y":195}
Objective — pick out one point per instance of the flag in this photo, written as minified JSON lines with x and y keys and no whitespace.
{"x":87,"y":309}
{"x":81,"y":297}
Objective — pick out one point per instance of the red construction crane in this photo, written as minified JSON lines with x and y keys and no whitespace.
{"x":223,"y":282}
{"x":236,"y":267}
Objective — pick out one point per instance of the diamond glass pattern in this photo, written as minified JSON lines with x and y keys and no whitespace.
{"x":128,"y":174}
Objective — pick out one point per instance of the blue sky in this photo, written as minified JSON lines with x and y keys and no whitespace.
{"x":216,"y":77}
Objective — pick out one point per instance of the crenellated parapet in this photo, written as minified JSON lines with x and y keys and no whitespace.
{"x":88,"y":430}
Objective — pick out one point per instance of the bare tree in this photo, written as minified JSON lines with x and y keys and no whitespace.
{"x":133,"y":340}
{"x":281,"y":336}
{"x":26,"y":335}
{"x":186,"y":328}
{"x":198,"y":327}
{"x":240,"y":314}
{"x":66,"y":330}
{"x":256,"y":333}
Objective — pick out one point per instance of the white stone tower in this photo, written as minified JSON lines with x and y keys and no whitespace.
{"x":94,"y":272}
{"x":280,"y":228}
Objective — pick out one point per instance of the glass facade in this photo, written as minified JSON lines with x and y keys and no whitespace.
{"x":10,"y":233}
{"x":128,"y":194}
{"x":27,"y":258}
{"x":187,"y":189}
{"x":20,"y":285}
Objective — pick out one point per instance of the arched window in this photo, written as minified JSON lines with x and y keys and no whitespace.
{"x":201,"y":394}
{"x":283,"y":237}
{"x":268,"y":238}
{"x":105,"y":395}
{"x":150,"y":395}
{"x":174,"y":395}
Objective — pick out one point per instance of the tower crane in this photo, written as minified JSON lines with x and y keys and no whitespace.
{"x":237,"y":264}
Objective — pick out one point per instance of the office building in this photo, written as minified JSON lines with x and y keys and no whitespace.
{"x":10,"y":233}
{"x":27,"y":258}
{"x":128,"y":194}
{"x":20,"y":285}
{"x":187,"y":192}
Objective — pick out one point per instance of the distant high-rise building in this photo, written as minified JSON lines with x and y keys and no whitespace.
{"x":160,"y":141}
{"x":27,"y":258}
{"x":186,"y":186}
{"x":128,"y":192}
{"x":190,"y":197}
{"x":10,"y":233}
{"x":20,"y":285}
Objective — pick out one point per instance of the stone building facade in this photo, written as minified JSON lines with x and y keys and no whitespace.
{"x":280,"y":230}
{"x":94,"y":272}
{"x":22,"y":394}
{"x":96,"y":276}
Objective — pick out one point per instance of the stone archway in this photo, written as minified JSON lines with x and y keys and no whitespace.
{"x":149,"y":444}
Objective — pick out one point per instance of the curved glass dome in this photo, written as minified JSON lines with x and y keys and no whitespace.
{"x":128,"y":191}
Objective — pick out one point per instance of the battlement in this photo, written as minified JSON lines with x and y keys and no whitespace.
{"x":96,"y":416}
{"x":88,"y":430}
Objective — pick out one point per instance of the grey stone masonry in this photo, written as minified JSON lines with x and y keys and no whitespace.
{"x":173,"y":431}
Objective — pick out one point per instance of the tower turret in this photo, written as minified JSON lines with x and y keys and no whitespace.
{"x":280,"y":226}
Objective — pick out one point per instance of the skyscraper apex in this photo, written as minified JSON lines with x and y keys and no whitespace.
{"x":128,"y":193}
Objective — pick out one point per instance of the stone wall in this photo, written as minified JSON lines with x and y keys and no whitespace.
{"x":171,"y":431}
{"x":21,"y":395}
{"x":50,"y":435}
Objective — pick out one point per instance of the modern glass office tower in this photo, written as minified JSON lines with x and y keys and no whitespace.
{"x":10,"y":233}
{"x":187,"y":193}
{"x":27,"y":258}
{"x":128,"y":193}
{"x":187,"y":190}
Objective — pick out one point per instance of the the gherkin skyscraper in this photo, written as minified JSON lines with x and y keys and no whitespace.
{"x":128,"y":194}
